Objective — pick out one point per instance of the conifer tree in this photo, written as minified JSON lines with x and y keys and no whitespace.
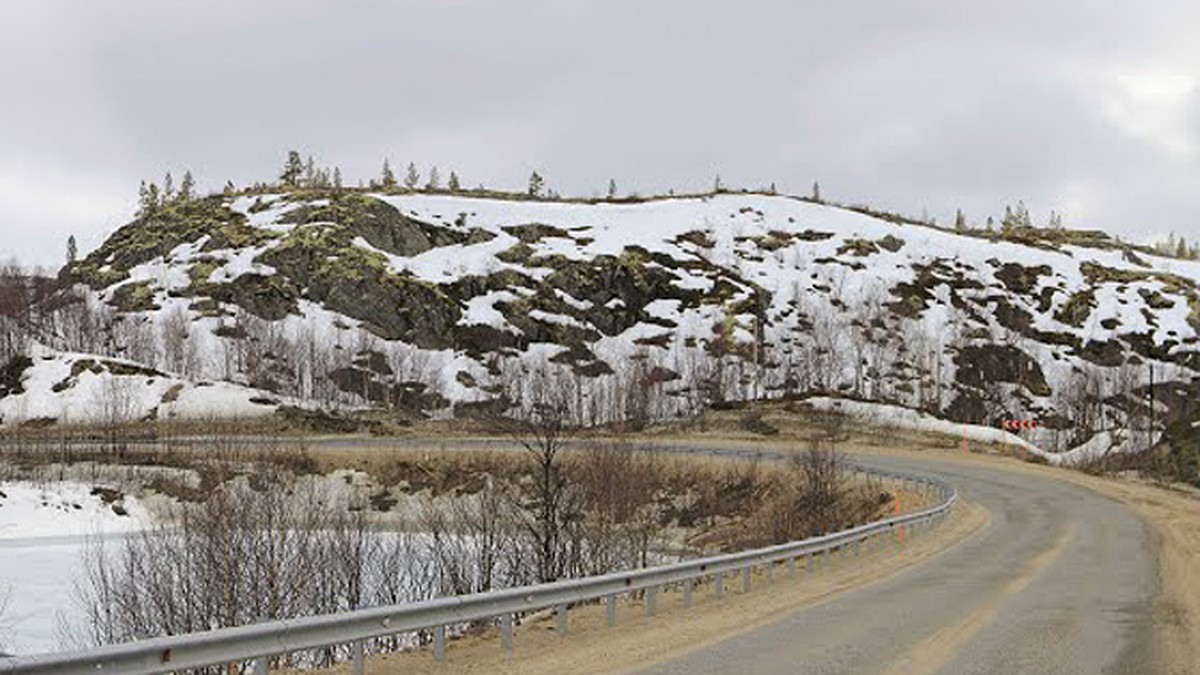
{"x":337,"y":178}
{"x":816,"y":192}
{"x":386,"y":178}
{"x":168,"y":188}
{"x":453,"y":185}
{"x":1010,"y":220}
{"x":310,"y":172}
{"x":536,"y":184}
{"x":435,"y":179}
{"x":143,"y":199}
{"x":187,"y":188}
{"x":1181,"y":249}
{"x":153,"y":199}
{"x":960,"y":221}
{"x":1022,"y":216}
{"x":149,"y":199}
{"x":229,"y":187}
{"x":412,"y":178}
{"x":612,"y":188}
{"x":292,"y":168}
{"x":771,"y":190}
{"x":72,"y":250}
{"x":718,"y":186}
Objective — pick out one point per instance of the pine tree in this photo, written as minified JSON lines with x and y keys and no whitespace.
{"x":816,"y":191}
{"x":1010,"y":220}
{"x":960,"y":221}
{"x":453,"y":185}
{"x":435,"y":179}
{"x":149,"y":200}
{"x":144,"y":206}
{"x":1023,"y":220}
{"x":386,"y":178}
{"x":771,"y":190}
{"x":310,"y":172}
{"x":536,"y":184}
{"x":168,"y":188}
{"x":718,"y":186}
{"x":337,"y":178}
{"x":230,"y":188}
{"x":187,"y":189}
{"x":1181,"y":249}
{"x":292,"y":168}
{"x":72,"y":250}
{"x":153,"y":199}
{"x":612,"y":188}
{"x":1056,"y":221}
{"x":991,"y":224}
{"x":412,"y":177}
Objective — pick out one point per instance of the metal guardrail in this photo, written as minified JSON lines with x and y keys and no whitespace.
{"x":257,"y":643}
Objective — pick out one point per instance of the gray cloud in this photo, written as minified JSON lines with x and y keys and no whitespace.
{"x":1089,"y":108}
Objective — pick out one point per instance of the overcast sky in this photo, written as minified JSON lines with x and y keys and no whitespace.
{"x":1088,"y":107}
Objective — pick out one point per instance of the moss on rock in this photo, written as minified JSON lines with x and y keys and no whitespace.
{"x":134,"y":297}
{"x":1077,"y":308}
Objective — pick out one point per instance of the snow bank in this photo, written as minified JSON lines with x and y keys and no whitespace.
{"x":65,"y":509}
{"x":912,"y":420}
{"x":69,"y":387}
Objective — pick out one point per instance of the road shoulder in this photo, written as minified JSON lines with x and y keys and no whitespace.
{"x":639,"y":641}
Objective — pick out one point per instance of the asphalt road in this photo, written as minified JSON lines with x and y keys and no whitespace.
{"x":1061,"y":581}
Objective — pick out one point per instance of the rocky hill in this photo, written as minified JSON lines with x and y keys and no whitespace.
{"x":435,"y":304}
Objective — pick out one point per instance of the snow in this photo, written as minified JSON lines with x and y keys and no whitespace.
{"x":903,"y":418}
{"x":750,"y":242}
{"x":560,"y":319}
{"x":90,"y":396}
{"x":481,"y":309}
{"x":63,"y":509}
{"x":44,"y":531}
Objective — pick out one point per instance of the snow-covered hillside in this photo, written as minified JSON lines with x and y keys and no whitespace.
{"x":430,"y":301}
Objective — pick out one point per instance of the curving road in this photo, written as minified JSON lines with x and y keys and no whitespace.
{"x":1061,"y":581}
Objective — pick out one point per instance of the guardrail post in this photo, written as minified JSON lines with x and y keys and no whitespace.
{"x":610,"y":609}
{"x":439,"y":643}
{"x":560,"y":616}
{"x":687,"y":593}
{"x":719,"y":584}
{"x":808,"y":564}
{"x":771,"y":572}
{"x":651,"y":601}
{"x":857,"y":547}
{"x":261,"y":664}
{"x":506,"y":632}
{"x":746,"y":572}
{"x":791,"y":564}
{"x":357,"y":657}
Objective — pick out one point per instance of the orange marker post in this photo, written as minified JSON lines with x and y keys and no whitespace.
{"x":896,"y":511}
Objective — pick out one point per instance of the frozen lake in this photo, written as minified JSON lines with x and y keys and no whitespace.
{"x":44,"y":528}
{"x":39,"y":574}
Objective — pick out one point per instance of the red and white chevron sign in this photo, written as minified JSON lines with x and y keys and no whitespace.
{"x":1017,"y":425}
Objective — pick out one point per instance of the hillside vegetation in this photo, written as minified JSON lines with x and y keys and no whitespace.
{"x":431,"y":303}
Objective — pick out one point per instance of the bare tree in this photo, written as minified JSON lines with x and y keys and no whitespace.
{"x":541,"y":424}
